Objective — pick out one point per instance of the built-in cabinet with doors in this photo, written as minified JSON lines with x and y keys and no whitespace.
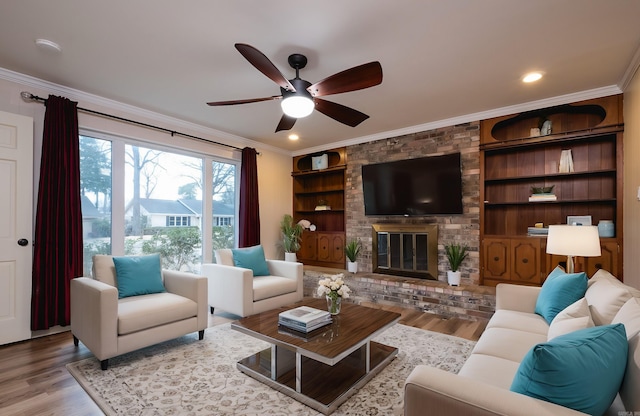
{"x":318,"y":197}
{"x":523,"y":151}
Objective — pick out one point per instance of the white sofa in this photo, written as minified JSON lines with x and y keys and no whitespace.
{"x":482,"y":387}
{"x":109,"y":326}
{"x":236,"y":290}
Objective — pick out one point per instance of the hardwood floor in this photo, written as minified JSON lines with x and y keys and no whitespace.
{"x":34,"y":380}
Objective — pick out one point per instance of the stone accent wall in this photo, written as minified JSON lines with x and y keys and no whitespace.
{"x":463,"y":229}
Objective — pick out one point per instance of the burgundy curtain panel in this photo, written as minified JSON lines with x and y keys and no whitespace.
{"x":57,"y":256}
{"x":249,"y":209}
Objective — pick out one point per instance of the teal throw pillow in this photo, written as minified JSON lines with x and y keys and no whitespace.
{"x":581,"y":370}
{"x":559,"y":291}
{"x":251,"y":258}
{"x":138,"y":275}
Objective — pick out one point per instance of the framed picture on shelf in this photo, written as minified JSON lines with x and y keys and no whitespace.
{"x":579,"y":219}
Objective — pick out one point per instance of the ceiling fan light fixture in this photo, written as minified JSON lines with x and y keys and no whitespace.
{"x":297,"y":106}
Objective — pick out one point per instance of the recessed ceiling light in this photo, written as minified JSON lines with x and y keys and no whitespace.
{"x":48,"y":45}
{"x":293,"y":137}
{"x":532,"y":77}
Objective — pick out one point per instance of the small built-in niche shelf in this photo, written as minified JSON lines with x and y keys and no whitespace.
{"x":568,"y":119}
{"x":335,"y":158}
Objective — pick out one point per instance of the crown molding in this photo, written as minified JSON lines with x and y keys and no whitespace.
{"x":631,"y":71}
{"x":468,"y":118}
{"x":87,"y":98}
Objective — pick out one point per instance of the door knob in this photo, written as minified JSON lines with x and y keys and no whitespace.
{"x":23,"y":242}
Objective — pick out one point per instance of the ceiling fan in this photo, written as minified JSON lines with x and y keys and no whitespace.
{"x":299,"y":97}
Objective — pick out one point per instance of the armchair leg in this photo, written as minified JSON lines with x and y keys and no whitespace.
{"x":104,"y":364}
{"x":211,"y":307}
{"x":201,"y":335}
{"x":76,"y":341}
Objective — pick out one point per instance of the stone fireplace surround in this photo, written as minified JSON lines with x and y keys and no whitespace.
{"x":463,"y":229}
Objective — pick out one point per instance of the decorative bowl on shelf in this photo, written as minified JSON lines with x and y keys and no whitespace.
{"x":542,"y":189}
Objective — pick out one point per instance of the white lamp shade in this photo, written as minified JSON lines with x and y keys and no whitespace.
{"x":574,"y":240}
{"x":297,"y":106}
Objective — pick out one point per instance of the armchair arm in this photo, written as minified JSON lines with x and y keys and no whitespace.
{"x":516,"y":297}
{"x":432,"y":391}
{"x":94,"y":316}
{"x":230,"y":288}
{"x":190,"y":286}
{"x":288,"y":269}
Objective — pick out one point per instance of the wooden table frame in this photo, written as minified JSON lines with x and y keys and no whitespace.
{"x":326,"y":367}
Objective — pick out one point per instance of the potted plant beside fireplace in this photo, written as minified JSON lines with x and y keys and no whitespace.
{"x":291,"y":236}
{"x":351,"y":250}
{"x":456,"y":253}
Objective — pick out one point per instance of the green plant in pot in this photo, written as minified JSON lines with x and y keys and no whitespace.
{"x":291,"y":236}
{"x":456,"y":254}
{"x":351,"y":250}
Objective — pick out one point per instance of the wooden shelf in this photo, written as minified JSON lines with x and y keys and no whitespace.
{"x":564,"y":201}
{"x":512,"y":163}
{"x":325,"y":246}
{"x":568,"y":175}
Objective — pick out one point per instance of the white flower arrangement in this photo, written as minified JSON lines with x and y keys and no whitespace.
{"x":333,"y":287}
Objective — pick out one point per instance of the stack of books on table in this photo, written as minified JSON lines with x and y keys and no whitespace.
{"x":542,"y":197}
{"x":304,"y":319}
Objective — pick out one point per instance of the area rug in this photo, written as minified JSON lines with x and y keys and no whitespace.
{"x":190,"y":377}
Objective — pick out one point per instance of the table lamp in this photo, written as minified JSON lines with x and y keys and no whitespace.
{"x":573,"y":240}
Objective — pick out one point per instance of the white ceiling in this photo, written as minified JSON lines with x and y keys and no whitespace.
{"x":443,"y":61}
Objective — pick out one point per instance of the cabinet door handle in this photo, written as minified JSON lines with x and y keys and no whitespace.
{"x":496,"y":258}
{"x":525,"y":261}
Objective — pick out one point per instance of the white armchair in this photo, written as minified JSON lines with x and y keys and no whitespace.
{"x":236,"y":290}
{"x":109,"y":326}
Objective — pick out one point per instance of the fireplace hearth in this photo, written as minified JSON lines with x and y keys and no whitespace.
{"x":406,"y":250}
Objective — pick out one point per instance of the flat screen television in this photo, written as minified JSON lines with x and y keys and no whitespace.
{"x":414,"y":187}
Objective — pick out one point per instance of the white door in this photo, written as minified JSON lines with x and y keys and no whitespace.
{"x":16,"y":190}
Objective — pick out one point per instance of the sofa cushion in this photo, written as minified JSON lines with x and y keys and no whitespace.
{"x":510,"y":344}
{"x":491,"y":370}
{"x":581,"y":370}
{"x":265,"y":287}
{"x":147,"y":311}
{"x":573,"y":317}
{"x":103,"y":269}
{"x":558,"y":291}
{"x":629,"y":315}
{"x":224,"y":257}
{"x":251,"y":258}
{"x":504,"y":318}
{"x":138,"y":275}
{"x":606,"y":295}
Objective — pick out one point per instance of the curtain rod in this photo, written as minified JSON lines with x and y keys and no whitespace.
{"x":27,"y":96}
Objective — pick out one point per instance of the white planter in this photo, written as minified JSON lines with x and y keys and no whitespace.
{"x":352,"y":266}
{"x":290,"y":257}
{"x":453,"y":278}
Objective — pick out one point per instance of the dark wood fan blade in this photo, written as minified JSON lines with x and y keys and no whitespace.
{"x":356,"y":78}
{"x":264,"y":65}
{"x":339,"y":112}
{"x":248,"y":100}
{"x":286,"y":123}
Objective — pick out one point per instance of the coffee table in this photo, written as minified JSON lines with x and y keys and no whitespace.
{"x":324,"y":368}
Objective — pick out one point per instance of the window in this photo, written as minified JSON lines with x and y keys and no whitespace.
{"x":143,"y":199}
{"x":178,"y":221}
{"x":95,"y":190}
